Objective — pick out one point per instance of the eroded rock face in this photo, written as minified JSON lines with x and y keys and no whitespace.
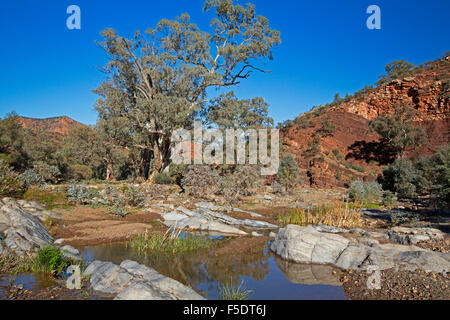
{"x":307,"y":245}
{"x":133,"y":281}
{"x":22,"y":231}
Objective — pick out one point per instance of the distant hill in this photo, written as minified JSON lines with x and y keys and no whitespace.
{"x":347,"y":151}
{"x":59,"y":125}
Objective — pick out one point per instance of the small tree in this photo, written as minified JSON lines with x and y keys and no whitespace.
{"x":400,"y":177}
{"x":396,"y":70}
{"x":398,"y":130}
{"x":288,"y":173}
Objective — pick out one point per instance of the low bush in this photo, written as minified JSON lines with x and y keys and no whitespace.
{"x":79,"y":194}
{"x":365,"y":192}
{"x":11,"y":184}
{"x":49,"y":173}
{"x":32,"y":178}
{"x":163,"y":178}
{"x":200,"y":181}
{"x":349,"y":165}
{"x":79,"y":172}
{"x":135,"y":197}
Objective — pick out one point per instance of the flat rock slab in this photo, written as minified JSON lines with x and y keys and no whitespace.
{"x":256,"y":224}
{"x":200,"y":223}
{"x":307,"y":245}
{"x":133,"y":281}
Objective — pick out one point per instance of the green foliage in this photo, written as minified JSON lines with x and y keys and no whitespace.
{"x":135,"y":197}
{"x":389,"y":198}
{"x":229,"y":292}
{"x":396,"y":70}
{"x":79,"y":172}
{"x":163,"y":178}
{"x":45,"y":197}
{"x":400,"y":178}
{"x":11,"y":184}
{"x":170,"y":243}
{"x":350,"y":165}
{"x":79,"y":193}
{"x":49,"y":173}
{"x":399,"y":130}
{"x":327,"y":129}
{"x":50,"y":259}
{"x":365,"y":192}
{"x":179,"y":58}
{"x":313,"y":148}
{"x":32,"y":178}
{"x":399,"y":218}
{"x":227,"y":111}
{"x":288,"y":173}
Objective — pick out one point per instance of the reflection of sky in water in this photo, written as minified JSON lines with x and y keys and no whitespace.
{"x":29,"y":282}
{"x":260,"y":273}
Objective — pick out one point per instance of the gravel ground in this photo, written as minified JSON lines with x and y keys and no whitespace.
{"x":397,"y":285}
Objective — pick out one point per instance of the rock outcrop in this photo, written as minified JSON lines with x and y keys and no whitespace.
{"x":206,"y":218}
{"x":307,"y":245}
{"x":22,"y":232}
{"x":133,"y":281}
{"x":426,"y":91}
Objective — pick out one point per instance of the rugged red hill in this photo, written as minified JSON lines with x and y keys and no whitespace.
{"x":333,"y":159}
{"x":59,"y":125}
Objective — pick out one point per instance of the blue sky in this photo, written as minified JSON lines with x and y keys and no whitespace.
{"x":48,"y":70}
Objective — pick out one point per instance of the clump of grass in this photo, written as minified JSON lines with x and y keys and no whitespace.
{"x":50,"y":259}
{"x":338,"y":214}
{"x":12,"y":264}
{"x":229,"y":292}
{"x":48,"y":198}
{"x":170,"y":242}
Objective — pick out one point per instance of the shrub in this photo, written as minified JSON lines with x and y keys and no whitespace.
{"x":11,"y":184}
{"x":365,"y":192}
{"x":79,"y":193}
{"x":79,"y":172}
{"x":400,"y":178}
{"x":349,"y":165}
{"x":313,"y":148}
{"x":200,"y":180}
{"x":135,"y":197}
{"x":288,"y":173}
{"x":327,"y":129}
{"x":48,"y":172}
{"x":240,"y":182}
{"x":163,"y":178}
{"x":32,"y":178}
{"x":389,"y":198}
